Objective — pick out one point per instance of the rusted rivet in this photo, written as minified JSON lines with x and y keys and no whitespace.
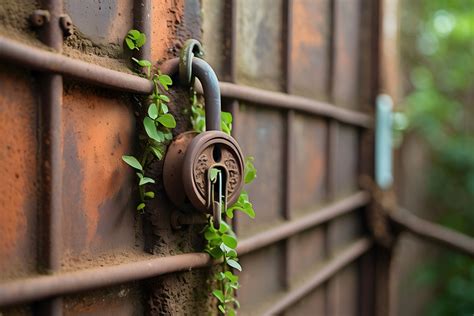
{"x":40,"y":17}
{"x":65,"y":22}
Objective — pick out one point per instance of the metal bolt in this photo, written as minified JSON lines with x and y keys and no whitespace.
{"x":65,"y":22}
{"x":40,"y":17}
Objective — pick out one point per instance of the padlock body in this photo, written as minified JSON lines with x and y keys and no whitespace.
{"x":187,"y":163}
{"x":173,"y":170}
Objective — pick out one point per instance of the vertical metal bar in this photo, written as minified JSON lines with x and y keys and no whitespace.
{"x":330,"y":75}
{"x":383,"y":257}
{"x":142,"y":17}
{"x":331,"y":185}
{"x":287,"y":21}
{"x":230,"y":34}
{"x":332,"y":144}
{"x":51,"y":154}
{"x":287,"y":86}
{"x":287,"y":44}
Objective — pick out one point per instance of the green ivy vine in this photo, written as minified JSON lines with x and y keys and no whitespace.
{"x":157,"y":122}
{"x":222,"y":243}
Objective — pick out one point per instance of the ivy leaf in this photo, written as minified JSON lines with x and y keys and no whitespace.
{"x":210,"y":235}
{"x":168,"y":136}
{"x":164,"y":98}
{"x":150,"y":194}
{"x":226,"y":122}
{"x":133,"y":34}
{"x":158,"y":151}
{"x":215,"y":253}
{"x":213,"y":172}
{"x":243,"y":204}
{"x":229,"y":241}
{"x":165,"y":81}
{"x":153,"y":111}
{"x":167,"y":120}
{"x":150,"y":129}
{"x":232,"y":254}
{"x":141,"y":40}
{"x":146,"y":180}
{"x":219,"y":295}
{"x":132,"y":162}
{"x":142,"y":62}
{"x":140,"y":206}
{"x":226,"y":117}
{"x":224,"y":227}
{"x":231,"y":277}
{"x":222,"y":309}
{"x":130,"y":43}
{"x":250,"y":171}
{"x":234,"y":264}
{"x":164,"y":108}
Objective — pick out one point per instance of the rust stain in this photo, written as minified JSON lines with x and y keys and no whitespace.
{"x":101,"y":126}
{"x":18,"y":168}
{"x":166,"y":16}
{"x":305,"y":22}
{"x":310,"y":48}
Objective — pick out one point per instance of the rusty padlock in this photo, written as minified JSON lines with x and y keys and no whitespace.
{"x":191,"y":156}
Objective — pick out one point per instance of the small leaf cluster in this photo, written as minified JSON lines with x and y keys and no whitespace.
{"x":222,"y":242}
{"x":135,"y":39}
{"x":157,"y":124}
{"x":198,"y":116}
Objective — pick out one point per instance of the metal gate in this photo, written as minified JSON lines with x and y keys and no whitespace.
{"x":300,"y":78}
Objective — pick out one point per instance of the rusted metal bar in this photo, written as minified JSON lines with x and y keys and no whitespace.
{"x":335,"y":264}
{"x":287,"y":34}
{"x":43,"y":287}
{"x":432,"y":232}
{"x":46,"y":61}
{"x":51,"y":157}
{"x":287,"y":44}
{"x":42,"y":60}
{"x":142,"y":11}
{"x":230,"y":40}
{"x":292,"y":102}
{"x":290,"y":228}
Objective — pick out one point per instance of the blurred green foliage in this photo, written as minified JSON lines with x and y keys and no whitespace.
{"x":437,"y":38}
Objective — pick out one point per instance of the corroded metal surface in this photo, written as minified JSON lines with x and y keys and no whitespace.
{"x":310,"y":54}
{"x":18,"y":166}
{"x":292,"y":149}
{"x":97,"y":209}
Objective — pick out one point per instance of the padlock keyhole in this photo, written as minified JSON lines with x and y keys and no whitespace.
{"x":219,"y":185}
{"x":217,"y":153}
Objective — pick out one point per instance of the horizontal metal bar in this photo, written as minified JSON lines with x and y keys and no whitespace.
{"x":339,"y":261}
{"x":48,"y":61}
{"x":43,"y":60}
{"x":292,"y":227}
{"x":293,"y":102}
{"x":41,"y":287}
{"x":432,"y":232}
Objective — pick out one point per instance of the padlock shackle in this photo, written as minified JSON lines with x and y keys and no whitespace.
{"x":210,"y":86}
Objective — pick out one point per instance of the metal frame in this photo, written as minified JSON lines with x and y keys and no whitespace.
{"x":46,"y":61}
{"x":41,"y":287}
{"x":37,"y":288}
